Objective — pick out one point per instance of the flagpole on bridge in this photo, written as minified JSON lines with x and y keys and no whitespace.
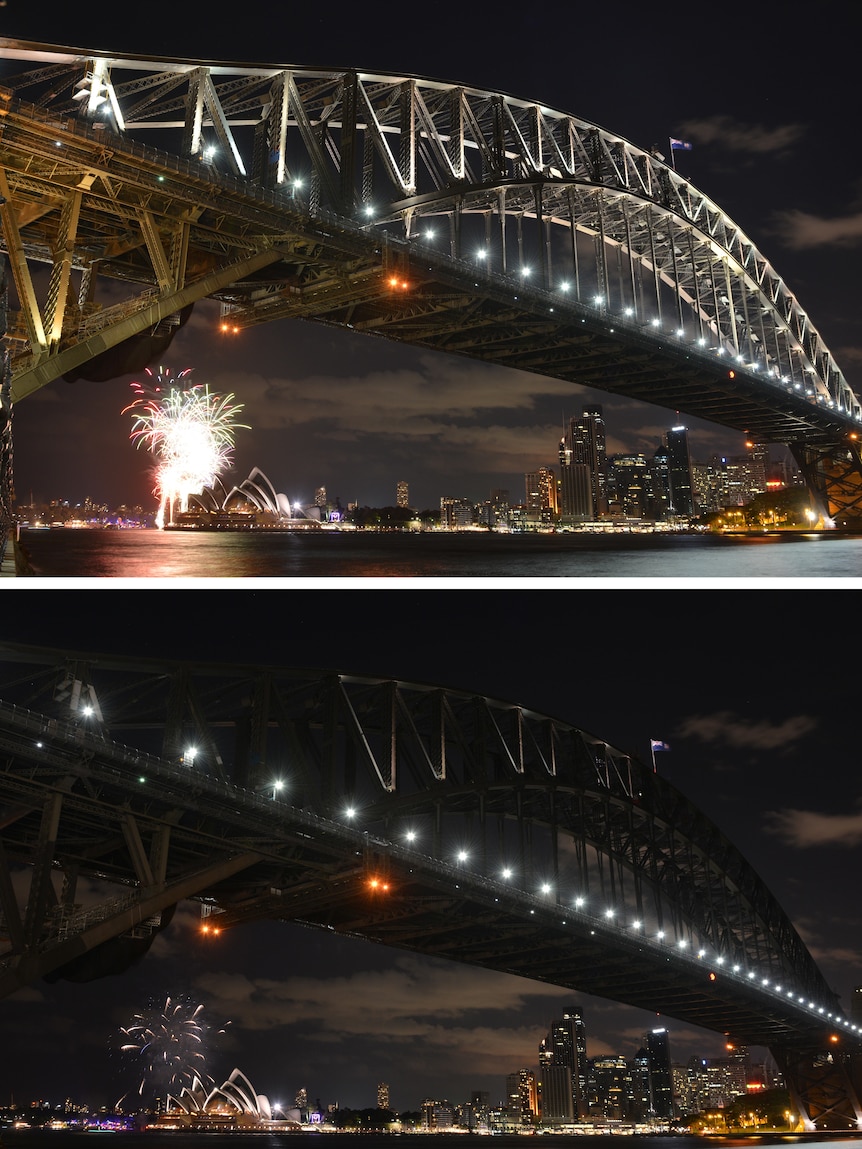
{"x":656,"y":744}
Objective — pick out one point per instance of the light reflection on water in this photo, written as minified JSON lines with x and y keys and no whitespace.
{"x":168,"y":555}
{"x":62,"y":1139}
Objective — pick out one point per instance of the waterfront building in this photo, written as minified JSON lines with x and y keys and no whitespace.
{"x":541,"y":495}
{"x":455,"y":514}
{"x":610,"y":1087}
{"x":522,"y":1097}
{"x":320,"y":497}
{"x":660,"y":1077}
{"x":679,"y":466}
{"x":566,"y":1044}
{"x":382,"y":1095}
{"x":630,"y":486}
{"x":576,"y":492}
{"x":557,"y":1106}
{"x":584,"y":443}
{"x":402,"y":498}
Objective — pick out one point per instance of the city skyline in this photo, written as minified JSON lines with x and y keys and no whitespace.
{"x":353,"y":411}
{"x":724,"y":678}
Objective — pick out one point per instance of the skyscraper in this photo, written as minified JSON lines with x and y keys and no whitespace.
{"x":566,"y":1044}
{"x":679,"y":467}
{"x":401,"y":494}
{"x":660,"y":1078}
{"x":585,"y":439}
{"x":540,"y":490}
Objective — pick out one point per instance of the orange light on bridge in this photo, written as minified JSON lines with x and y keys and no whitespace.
{"x":711,"y":975}
{"x":394,"y":281}
{"x":378,"y":886}
{"x":229,"y":329}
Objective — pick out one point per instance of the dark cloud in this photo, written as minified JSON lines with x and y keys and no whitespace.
{"x":809,"y":828}
{"x":740,"y":732}
{"x":734,"y":135}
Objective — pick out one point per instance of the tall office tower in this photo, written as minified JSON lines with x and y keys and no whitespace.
{"x":679,"y":465}
{"x":566,"y":1044}
{"x":522,"y":1096}
{"x":576,"y":495}
{"x":758,"y":461}
{"x":557,"y":1095}
{"x":629,"y":479}
{"x":320,"y":497}
{"x":382,"y":1095}
{"x":660,"y":1078}
{"x":584,"y":441}
{"x":659,"y":467}
{"x":401,"y":495}
{"x":540,"y":488}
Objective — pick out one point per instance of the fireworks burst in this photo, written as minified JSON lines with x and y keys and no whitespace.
{"x":189,"y":431}
{"x":170,"y":1044}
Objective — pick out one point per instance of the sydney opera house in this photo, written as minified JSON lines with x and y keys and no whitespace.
{"x":253,"y":503}
{"x":232,"y":1105}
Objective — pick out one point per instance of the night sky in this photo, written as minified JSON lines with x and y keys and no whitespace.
{"x":752,"y":688}
{"x":768,"y":99}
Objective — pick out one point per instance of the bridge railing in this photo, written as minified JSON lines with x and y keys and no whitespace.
{"x":211,"y":181}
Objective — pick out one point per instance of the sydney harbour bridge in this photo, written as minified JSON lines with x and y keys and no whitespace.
{"x":465,"y":221}
{"x":440,"y":822}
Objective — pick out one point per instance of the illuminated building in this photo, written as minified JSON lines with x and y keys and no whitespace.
{"x":522,"y":1097}
{"x":631,"y":486}
{"x":401,"y":494}
{"x":679,"y":467}
{"x":660,"y":1079}
{"x":320,"y":497}
{"x":382,"y":1095}
{"x":566,"y":1044}
{"x":541,"y":495}
{"x":455,"y":514}
{"x":232,"y":1104}
{"x":583,"y":445}
{"x":557,"y":1104}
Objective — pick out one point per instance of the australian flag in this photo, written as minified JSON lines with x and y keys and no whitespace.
{"x":656,"y":745}
{"x":680,"y":146}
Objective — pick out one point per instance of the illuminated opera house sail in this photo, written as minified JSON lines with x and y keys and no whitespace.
{"x":234,"y":1103}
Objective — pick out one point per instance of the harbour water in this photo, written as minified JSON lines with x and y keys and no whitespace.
{"x":64,"y":1139}
{"x":165,"y":556}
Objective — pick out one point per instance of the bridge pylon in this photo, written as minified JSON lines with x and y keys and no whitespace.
{"x":833,"y":475}
{"x":823,"y":1086}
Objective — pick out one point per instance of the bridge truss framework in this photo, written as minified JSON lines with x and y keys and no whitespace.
{"x":466,"y":221}
{"x":417,"y":817}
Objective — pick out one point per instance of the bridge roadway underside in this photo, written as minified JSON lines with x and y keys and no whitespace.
{"x":82,"y":807}
{"x":267,"y":257}
{"x":464,"y":920}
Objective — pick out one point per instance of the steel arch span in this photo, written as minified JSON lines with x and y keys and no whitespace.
{"x":466,"y":221}
{"x":413,"y":816}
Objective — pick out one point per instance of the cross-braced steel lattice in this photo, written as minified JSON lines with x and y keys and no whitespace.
{"x":430,"y":212}
{"x":419,"y":817}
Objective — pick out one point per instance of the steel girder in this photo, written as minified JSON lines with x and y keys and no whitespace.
{"x":677,"y":306}
{"x":428,"y":772}
{"x":834,"y":476}
{"x":107,"y":821}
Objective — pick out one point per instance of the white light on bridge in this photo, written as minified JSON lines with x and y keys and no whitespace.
{"x":350,"y":813}
{"x":507,"y":873}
